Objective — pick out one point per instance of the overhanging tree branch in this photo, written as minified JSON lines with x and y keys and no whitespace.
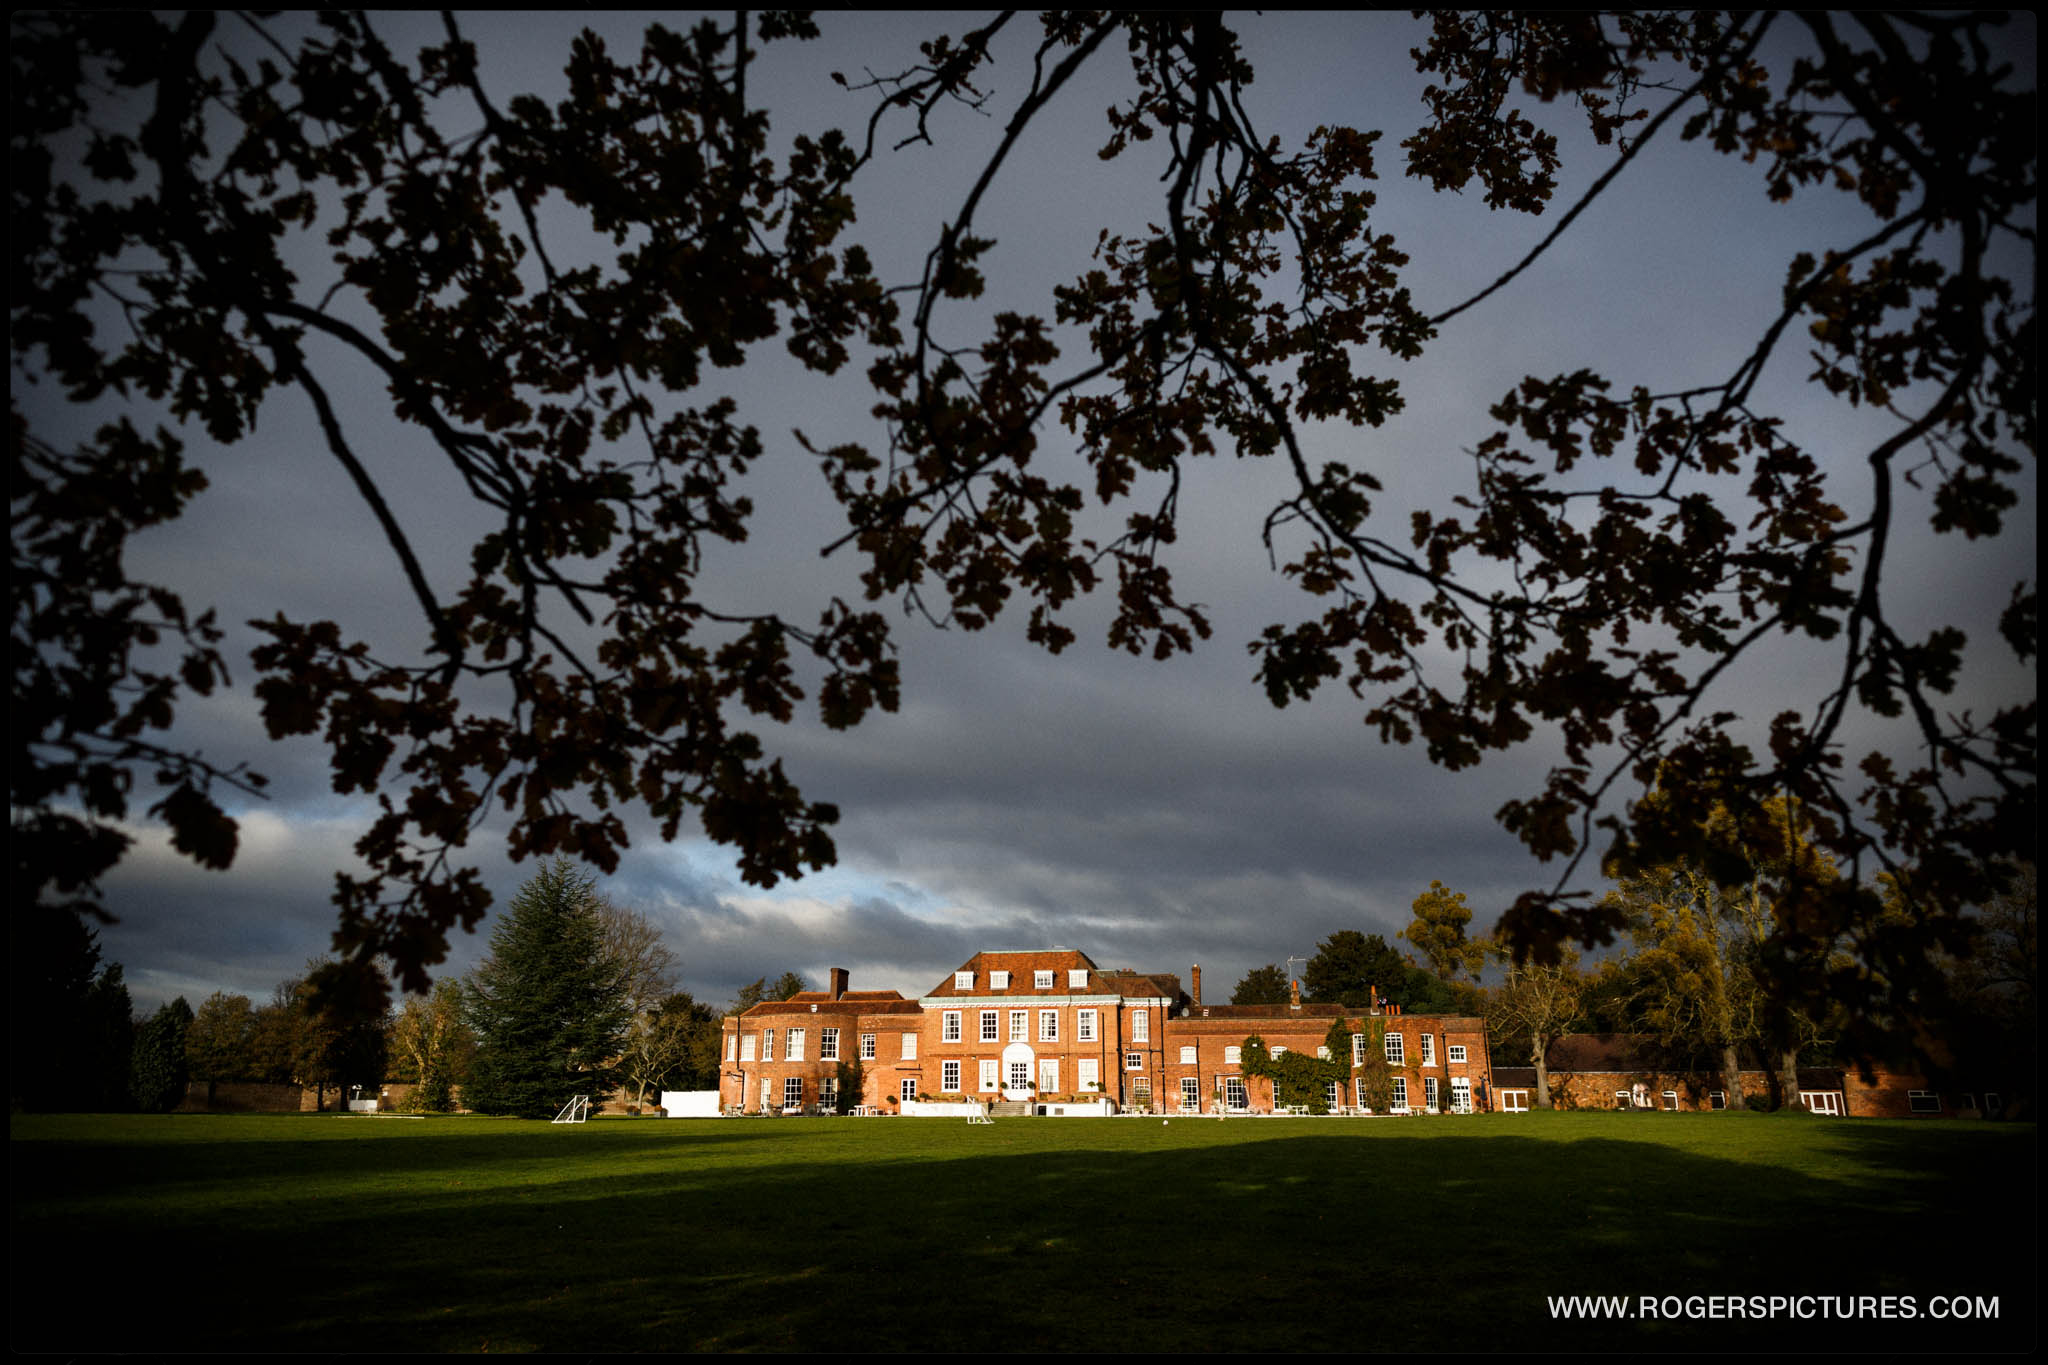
{"x":1620,"y":550}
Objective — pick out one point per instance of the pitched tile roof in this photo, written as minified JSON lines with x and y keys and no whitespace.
{"x":1307,"y":1011}
{"x":1311,"y":1010}
{"x":1142,"y":985}
{"x":853,"y":1002}
{"x":1021,"y":967}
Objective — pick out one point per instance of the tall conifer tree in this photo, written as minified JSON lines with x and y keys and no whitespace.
{"x":156,"y":1075}
{"x":107,"y":1042}
{"x":69,"y":1032}
{"x":549,"y":1007}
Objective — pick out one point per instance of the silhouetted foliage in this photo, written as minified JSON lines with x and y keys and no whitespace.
{"x":750,"y":995}
{"x":218,"y":1045}
{"x":334,"y":1036}
{"x":52,"y":957}
{"x":1421,"y":991}
{"x":1348,"y":967}
{"x":156,"y":1071}
{"x":70,"y":1034}
{"x":1265,"y":985}
{"x":106,"y":1043}
{"x":1990,"y":1023}
{"x":273,"y":1041}
{"x":1620,"y":554}
{"x":760,"y":989}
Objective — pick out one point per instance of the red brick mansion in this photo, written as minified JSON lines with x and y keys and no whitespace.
{"x":1053,"y":1029}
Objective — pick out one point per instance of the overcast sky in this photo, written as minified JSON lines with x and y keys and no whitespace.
{"x":1154,"y":815}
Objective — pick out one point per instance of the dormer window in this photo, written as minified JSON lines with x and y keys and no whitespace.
{"x":1042,"y":980}
{"x":999,"y":981}
{"x":963,"y":981}
{"x":1077,"y":978}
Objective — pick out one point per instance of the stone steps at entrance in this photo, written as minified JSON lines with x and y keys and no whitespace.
{"x":1015,"y":1109}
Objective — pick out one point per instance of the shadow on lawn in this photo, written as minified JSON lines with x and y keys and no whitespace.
{"x":1258,"y":1237}
{"x":207,"y":1148}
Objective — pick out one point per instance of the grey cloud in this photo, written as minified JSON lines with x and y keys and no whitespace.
{"x":1153,"y":814}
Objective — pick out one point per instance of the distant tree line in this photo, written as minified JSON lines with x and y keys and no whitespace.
{"x":578,"y":995}
{"x":75,"y":1042}
{"x":70,"y":1031}
{"x":1705,"y":974}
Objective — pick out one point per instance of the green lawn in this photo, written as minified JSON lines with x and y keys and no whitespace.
{"x":193,"y":1232}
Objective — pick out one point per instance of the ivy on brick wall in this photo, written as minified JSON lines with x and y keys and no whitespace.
{"x":1300,"y":1077}
{"x":851,"y":1078}
{"x":1376,"y":1090}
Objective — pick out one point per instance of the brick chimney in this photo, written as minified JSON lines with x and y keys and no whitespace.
{"x":1196,"y":992}
{"x":838,"y":975}
{"x":1294,"y":992}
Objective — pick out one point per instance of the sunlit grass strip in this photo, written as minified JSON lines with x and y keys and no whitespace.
{"x":304,"y":1232}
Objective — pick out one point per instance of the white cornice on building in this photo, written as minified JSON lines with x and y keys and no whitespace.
{"x":1020,"y":1001}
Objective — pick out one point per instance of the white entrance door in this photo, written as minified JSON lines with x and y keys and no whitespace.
{"x":1018,"y":1060}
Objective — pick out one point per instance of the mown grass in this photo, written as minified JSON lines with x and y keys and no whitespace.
{"x":194,"y":1232}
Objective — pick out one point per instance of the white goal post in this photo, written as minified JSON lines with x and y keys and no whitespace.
{"x":575,"y":1111}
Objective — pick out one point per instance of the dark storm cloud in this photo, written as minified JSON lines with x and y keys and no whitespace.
{"x":1153,"y":814}
{"x":184,"y":930}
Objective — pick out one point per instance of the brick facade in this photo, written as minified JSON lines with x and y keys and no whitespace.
{"x":1052,"y":1026}
{"x":1440,"y":1060}
{"x":790,"y":1054}
{"x":1617,"y":1071}
{"x":1907,"y":1094}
